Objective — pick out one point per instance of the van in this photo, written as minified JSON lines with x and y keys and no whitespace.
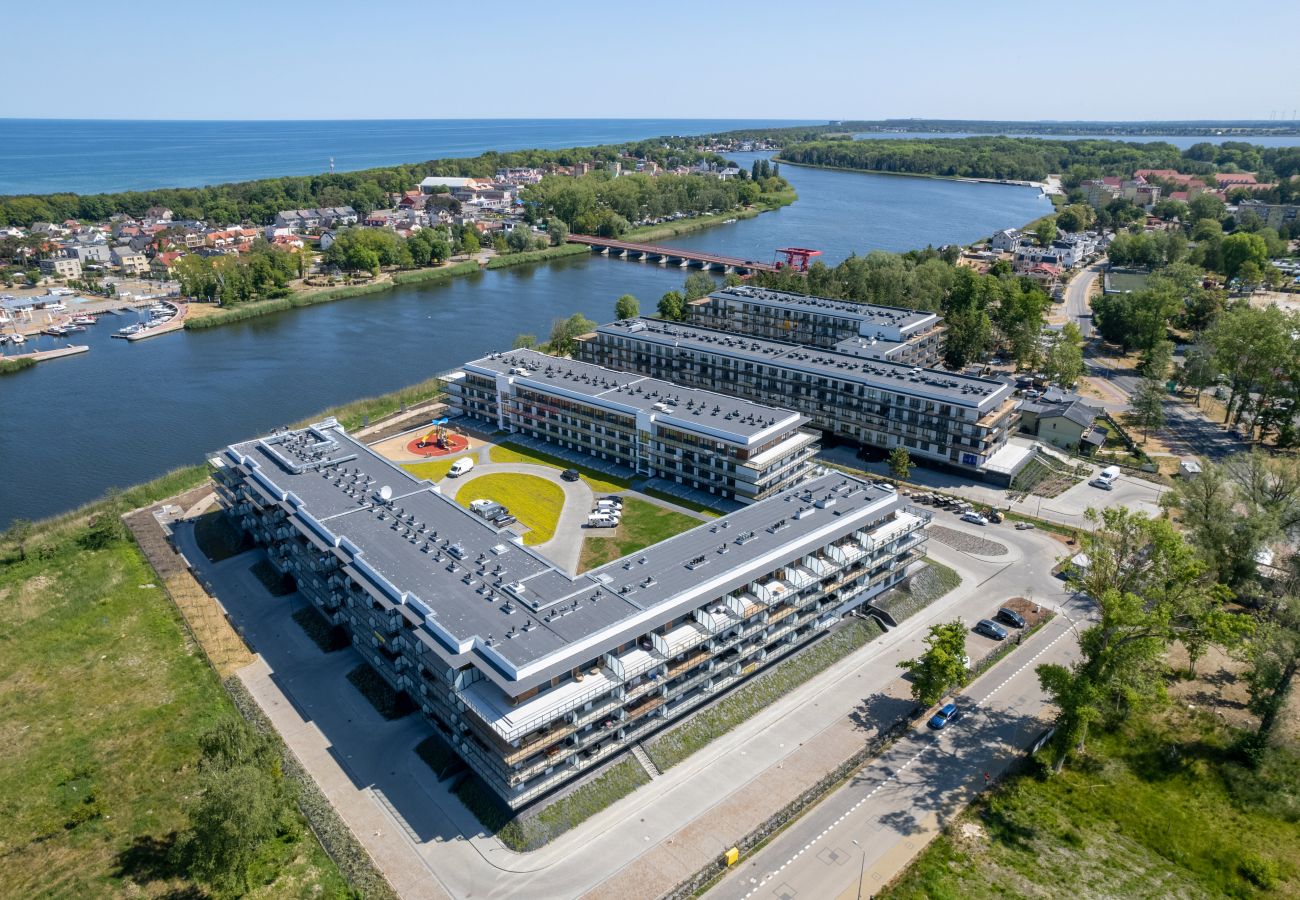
{"x":602,"y":520}
{"x":460,"y":467}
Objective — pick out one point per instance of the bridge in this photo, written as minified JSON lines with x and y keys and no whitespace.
{"x":672,"y":256}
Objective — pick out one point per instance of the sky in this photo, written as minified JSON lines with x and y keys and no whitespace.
{"x":837,"y":59}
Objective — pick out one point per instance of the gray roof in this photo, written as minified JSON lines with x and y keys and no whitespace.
{"x":732,"y":419}
{"x":937,"y":384}
{"x":865,"y":315}
{"x":484,"y":598}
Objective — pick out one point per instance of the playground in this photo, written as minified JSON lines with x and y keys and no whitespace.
{"x":436,"y":441}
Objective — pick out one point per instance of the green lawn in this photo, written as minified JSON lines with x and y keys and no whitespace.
{"x":434,"y":469}
{"x":1155,"y":810}
{"x":102,"y":697}
{"x":643,"y":524}
{"x":513,"y":453}
{"x":531,"y":499}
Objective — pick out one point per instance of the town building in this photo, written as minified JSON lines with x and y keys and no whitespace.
{"x":860,"y":329}
{"x":1063,"y":420}
{"x":536,"y":676}
{"x":732,"y":448}
{"x":61,"y":267}
{"x":131,"y":262}
{"x":1006,"y":241}
{"x":1277,"y":216}
{"x":298,"y":220}
{"x":942,"y":418}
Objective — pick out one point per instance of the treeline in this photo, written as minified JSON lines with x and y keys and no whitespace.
{"x":1033,"y":159}
{"x":601,"y":204}
{"x":259,"y":201}
{"x":263,"y":273}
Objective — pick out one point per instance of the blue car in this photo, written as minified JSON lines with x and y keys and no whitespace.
{"x":949,"y":713}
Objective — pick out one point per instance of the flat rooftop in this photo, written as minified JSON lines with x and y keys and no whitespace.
{"x":669,"y":404}
{"x":478,"y":595}
{"x":937,"y":384}
{"x":868,"y":316}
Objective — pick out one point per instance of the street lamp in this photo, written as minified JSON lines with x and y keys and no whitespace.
{"x":862,"y":867}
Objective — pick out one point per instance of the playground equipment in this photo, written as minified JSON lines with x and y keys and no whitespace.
{"x":438,"y":441}
{"x":437,"y":437}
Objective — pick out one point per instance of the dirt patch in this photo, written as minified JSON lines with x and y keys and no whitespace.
{"x":1219,"y":687}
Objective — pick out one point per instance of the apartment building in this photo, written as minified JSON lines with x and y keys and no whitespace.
{"x":536,"y":676}
{"x":873,"y":332}
{"x":942,"y":418}
{"x":732,"y":448}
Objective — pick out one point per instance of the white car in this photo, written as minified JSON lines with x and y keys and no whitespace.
{"x":1105,"y":484}
{"x":974,"y":518}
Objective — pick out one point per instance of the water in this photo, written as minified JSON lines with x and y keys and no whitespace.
{"x":126,"y":412}
{"x":1181,"y":141}
{"x":841,"y":213}
{"x":39,"y":156}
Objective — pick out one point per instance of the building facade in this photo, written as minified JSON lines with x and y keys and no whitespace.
{"x":61,"y":267}
{"x":861,"y":329}
{"x":533,"y":675}
{"x":728,"y":447}
{"x":942,"y":418}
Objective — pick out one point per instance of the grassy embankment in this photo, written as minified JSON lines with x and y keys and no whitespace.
{"x":103,"y":695}
{"x":1163,"y":807}
{"x":8,"y":366}
{"x":642,"y":524}
{"x":244,"y":311}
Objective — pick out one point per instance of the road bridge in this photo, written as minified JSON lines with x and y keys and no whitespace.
{"x":672,"y":256}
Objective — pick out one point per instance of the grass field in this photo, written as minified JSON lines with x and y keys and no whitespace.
{"x":1161,"y":808}
{"x":642,"y":524}
{"x":433,"y":470}
{"x":102,"y":697}
{"x":513,"y":453}
{"x":534,"y":501}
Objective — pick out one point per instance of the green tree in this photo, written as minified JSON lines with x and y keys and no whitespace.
{"x":1146,"y":406}
{"x":699,"y":284}
{"x":1240,"y":250}
{"x":900,"y":463}
{"x":524,"y":342}
{"x":672,"y":306}
{"x":519,"y":239}
{"x":1274,"y":658}
{"x":1076,"y":217}
{"x":556,"y":231}
{"x":1157,"y":360}
{"x":1206,"y":206}
{"x":626,"y":307}
{"x":19,"y":534}
{"x":565,"y":331}
{"x":1045,"y":230}
{"x":942,"y":666}
{"x":1063,"y":361}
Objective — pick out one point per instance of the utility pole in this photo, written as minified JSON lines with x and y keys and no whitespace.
{"x":862,"y":868}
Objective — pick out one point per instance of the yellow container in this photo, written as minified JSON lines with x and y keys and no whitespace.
{"x":731,"y":856}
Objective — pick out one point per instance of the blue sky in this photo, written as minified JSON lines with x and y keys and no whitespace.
{"x":236,"y":59}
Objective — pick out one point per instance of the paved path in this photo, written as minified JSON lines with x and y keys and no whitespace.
{"x":1077,"y":292}
{"x":430,"y":846}
{"x":866,"y":832}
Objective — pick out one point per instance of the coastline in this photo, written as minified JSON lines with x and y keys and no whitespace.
{"x":298,"y":300}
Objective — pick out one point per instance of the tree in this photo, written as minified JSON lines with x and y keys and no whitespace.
{"x":1274,"y":657}
{"x":565,"y":331}
{"x":1146,"y":406}
{"x":698,"y":284}
{"x":557,"y":231}
{"x":1198,"y":370}
{"x":626,"y":307}
{"x":1075,"y":217}
{"x":519,"y":239}
{"x":524,"y":342}
{"x":1240,"y":250}
{"x":1045,"y":230}
{"x":1063,"y":361}
{"x":1157,"y":360}
{"x":900,"y":463}
{"x":942,"y":666}
{"x":1206,"y":206}
{"x":19,"y":533}
{"x":672,"y":306}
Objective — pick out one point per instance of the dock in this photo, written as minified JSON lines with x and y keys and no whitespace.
{"x":57,"y":353}
{"x":175,"y":323}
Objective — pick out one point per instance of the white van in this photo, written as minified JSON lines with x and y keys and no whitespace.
{"x":602,"y":520}
{"x":460,"y":467}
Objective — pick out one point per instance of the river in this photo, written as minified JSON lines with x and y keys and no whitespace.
{"x":126,"y":412}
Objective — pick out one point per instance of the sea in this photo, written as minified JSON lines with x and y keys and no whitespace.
{"x":88,"y":156}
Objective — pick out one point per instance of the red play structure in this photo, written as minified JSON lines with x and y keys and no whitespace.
{"x":438,"y":442}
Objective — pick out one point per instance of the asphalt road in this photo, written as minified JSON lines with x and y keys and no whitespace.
{"x":1076,"y":298}
{"x":857,"y":839}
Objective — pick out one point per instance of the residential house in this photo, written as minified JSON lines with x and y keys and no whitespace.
{"x":158,"y":214}
{"x":61,"y":267}
{"x":130,"y":261}
{"x":1062,"y":420}
{"x":1006,"y":241}
{"x":1274,"y":215}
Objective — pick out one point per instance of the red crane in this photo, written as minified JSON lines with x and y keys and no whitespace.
{"x":796,"y":258}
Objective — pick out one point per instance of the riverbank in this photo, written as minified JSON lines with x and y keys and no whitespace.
{"x":214,"y":316}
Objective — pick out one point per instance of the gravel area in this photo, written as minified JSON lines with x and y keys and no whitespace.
{"x":967,"y":543}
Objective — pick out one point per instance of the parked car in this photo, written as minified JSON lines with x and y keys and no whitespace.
{"x":947,"y":713}
{"x":570,"y":474}
{"x":1011,"y":617}
{"x":1024,"y":526}
{"x":608,"y":504}
{"x":1104,"y":483}
{"x":974,"y":518}
{"x":612,"y":498}
{"x":602,"y":520}
{"x":504,"y":520}
{"x":990,"y":629}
